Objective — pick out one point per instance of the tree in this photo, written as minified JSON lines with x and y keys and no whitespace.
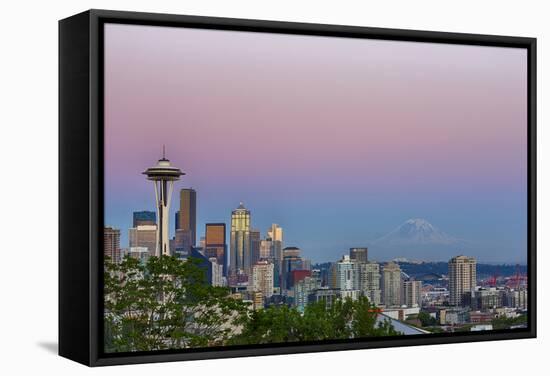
{"x":165,"y":304}
{"x":506,"y":323}
{"x":426,"y":319}
{"x":343,"y":319}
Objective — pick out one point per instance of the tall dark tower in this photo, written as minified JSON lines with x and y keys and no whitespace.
{"x":360,"y":255}
{"x":187,"y":220}
{"x":163,"y":175}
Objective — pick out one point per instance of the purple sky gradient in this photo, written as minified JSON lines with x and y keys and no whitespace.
{"x":338,"y":140}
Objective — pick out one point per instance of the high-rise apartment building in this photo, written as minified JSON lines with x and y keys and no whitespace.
{"x":215,"y":244}
{"x":359,"y":255}
{"x":369,"y":281}
{"x":144,"y":236}
{"x":188,"y":213}
{"x":411,"y":294}
{"x":462,"y":279}
{"x":240,"y":241}
{"x":217,"y":279}
{"x":111,"y":243}
{"x":391,"y":285}
{"x":262,"y":278}
{"x":347,"y":274}
{"x":144,"y":218}
{"x":303,"y":289}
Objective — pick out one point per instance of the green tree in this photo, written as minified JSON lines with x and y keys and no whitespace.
{"x":165,"y":304}
{"x":343,"y":319}
{"x":426,"y":319}
{"x":505,"y":323}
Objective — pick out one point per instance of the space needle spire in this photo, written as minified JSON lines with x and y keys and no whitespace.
{"x":163,"y":175}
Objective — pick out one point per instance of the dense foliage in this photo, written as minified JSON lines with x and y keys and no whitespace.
{"x":507,"y":323}
{"x":167,"y":304}
{"x":426,"y":319}
{"x":343,"y":319}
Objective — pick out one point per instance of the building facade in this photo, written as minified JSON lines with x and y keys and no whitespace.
{"x":215,"y":244}
{"x":187,"y":215}
{"x":391,"y":285}
{"x":139,"y":253}
{"x":240,"y":241}
{"x":111,"y":243}
{"x":255,"y":241}
{"x":291,"y":261}
{"x":262,"y":278}
{"x":369,"y":281}
{"x":462,"y":279}
{"x":359,"y":255}
{"x":144,"y":236}
{"x":412,"y":293}
{"x":347,"y":274}
{"x":144,"y":218}
{"x":275,"y":236}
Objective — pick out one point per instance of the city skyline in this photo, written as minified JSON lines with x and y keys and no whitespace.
{"x":461,"y":246}
{"x":419,"y":150}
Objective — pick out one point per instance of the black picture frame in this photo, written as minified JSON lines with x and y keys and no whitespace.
{"x":81,"y":183}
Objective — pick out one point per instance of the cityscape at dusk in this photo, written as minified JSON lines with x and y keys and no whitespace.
{"x":290,"y":199}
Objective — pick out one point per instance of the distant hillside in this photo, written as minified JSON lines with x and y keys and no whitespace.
{"x":483,"y":270}
{"x":418,"y":270}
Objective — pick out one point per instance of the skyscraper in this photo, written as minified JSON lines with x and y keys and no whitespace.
{"x":265,"y":249}
{"x":240,"y":241}
{"x":255,"y":241}
{"x":275,"y":236}
{"x":412,"y":293}
{"x":291,"y":261}
{"x":359,"y":254}
{"x":462,"y":279}
{"x":163,"y":175}
{"x":111,"y":243}
{"x":262,"y":278}
{"x":347,"y":274}
{"x":183,"y":242}
{"x":144,"y":218}
{"x":215,"y":244}
{"x":187,"y":219}
{"x":391,"y":285}
{"x":144,"y":236}
{"x":369,"y":281}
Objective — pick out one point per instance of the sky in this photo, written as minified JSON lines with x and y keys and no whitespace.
{"x":337,"y":140}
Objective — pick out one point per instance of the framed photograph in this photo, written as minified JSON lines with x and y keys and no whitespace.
{"x":234,"y":187}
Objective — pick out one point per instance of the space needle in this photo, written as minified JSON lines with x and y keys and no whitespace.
{"x":163,"y":175}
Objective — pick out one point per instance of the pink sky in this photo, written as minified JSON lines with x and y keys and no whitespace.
{"x":263,"y":115}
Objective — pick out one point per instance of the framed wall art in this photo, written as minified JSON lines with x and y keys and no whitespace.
{"x":234,"y":187}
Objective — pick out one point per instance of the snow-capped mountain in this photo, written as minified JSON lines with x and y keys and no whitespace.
{"x":416,"y":231}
